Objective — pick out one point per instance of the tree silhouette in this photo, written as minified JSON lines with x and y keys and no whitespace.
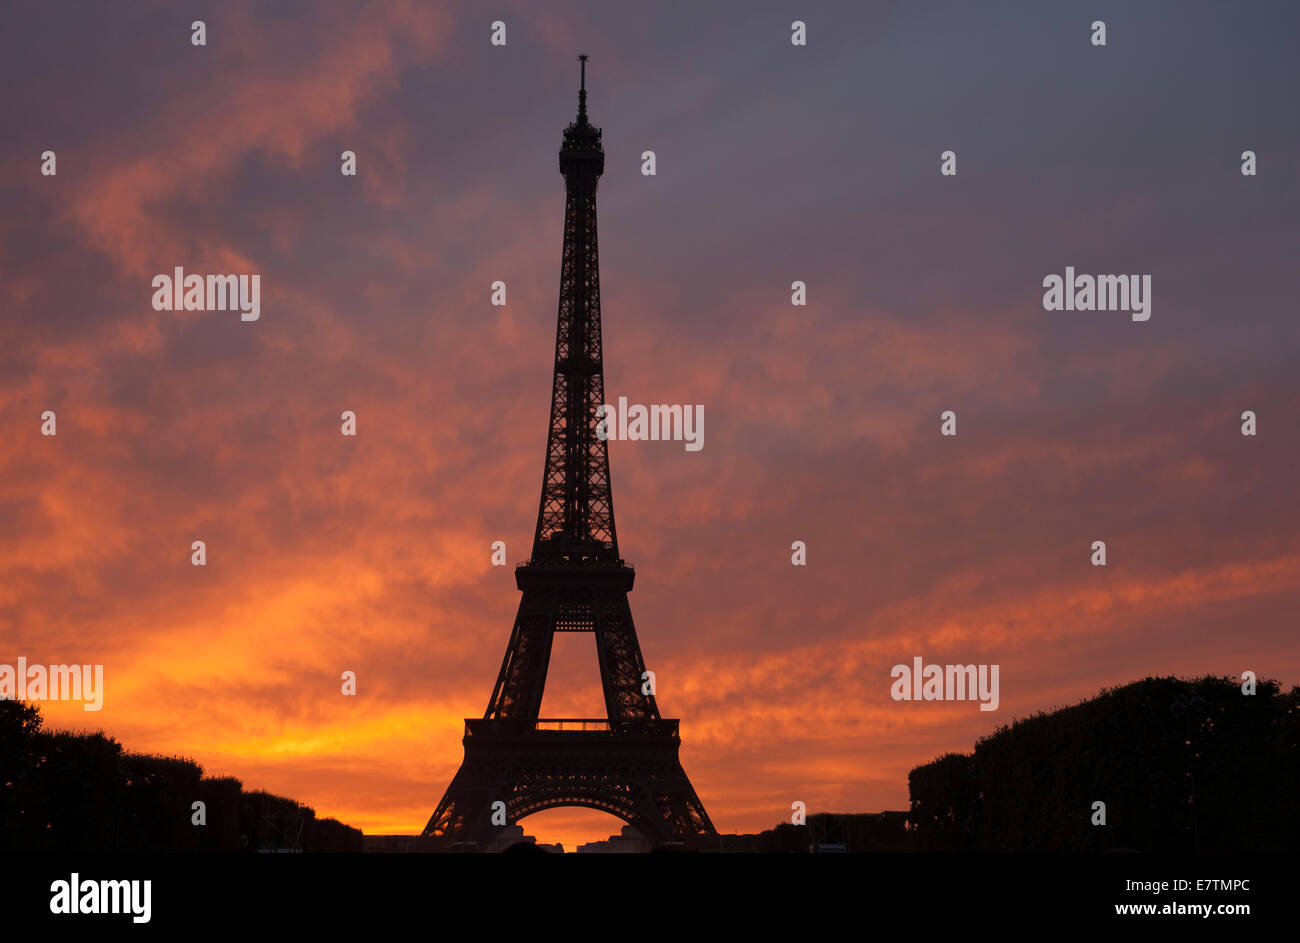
{"x":83,"y":792}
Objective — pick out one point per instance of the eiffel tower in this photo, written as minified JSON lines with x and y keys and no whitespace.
{"x":627,"y":762}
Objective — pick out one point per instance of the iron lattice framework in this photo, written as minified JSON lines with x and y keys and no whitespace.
{"x":626,"y":763}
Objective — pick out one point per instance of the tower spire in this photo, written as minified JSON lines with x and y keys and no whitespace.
{"x":582,"y":91}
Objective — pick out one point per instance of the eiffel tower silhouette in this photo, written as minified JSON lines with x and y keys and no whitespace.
{"x":627,"y":764}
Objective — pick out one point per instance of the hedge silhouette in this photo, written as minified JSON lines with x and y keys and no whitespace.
{"x":1181,"y":765}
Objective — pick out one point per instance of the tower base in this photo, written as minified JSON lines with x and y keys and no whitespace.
{"x":629,"y":769}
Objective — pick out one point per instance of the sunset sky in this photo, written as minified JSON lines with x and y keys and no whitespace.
{"x":775,"y":163}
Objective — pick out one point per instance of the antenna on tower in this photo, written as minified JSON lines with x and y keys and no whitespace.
{"x":582,"y":92}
